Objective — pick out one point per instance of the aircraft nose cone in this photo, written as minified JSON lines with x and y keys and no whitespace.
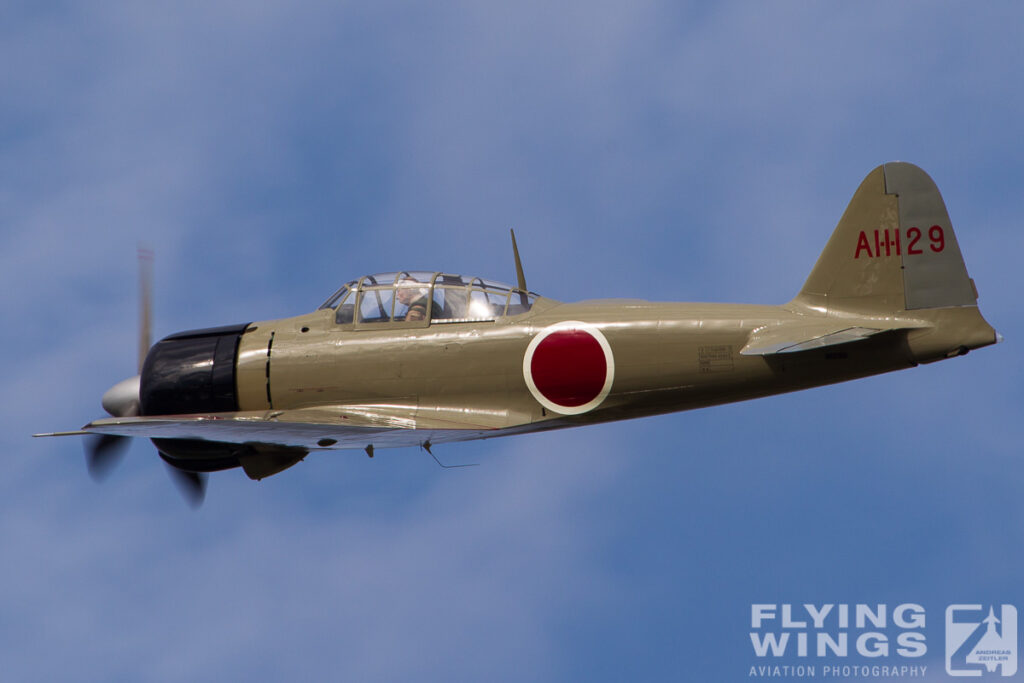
{"x":122,"y":399}
{"x":999,"y":338}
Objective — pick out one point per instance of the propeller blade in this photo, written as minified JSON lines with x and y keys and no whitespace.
{"x":145,"y":302}
{"x":103,"y":453}
{"x":191,"y":484}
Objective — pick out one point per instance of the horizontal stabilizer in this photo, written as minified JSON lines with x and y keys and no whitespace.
{"x":768,"y":341}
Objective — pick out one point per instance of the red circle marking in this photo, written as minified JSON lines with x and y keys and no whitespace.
{"x":569,"y":368}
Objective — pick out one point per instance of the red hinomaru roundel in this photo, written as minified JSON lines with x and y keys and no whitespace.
{"x":569,"y":367}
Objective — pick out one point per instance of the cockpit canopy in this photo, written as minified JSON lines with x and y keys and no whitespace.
{"x":414,"y":296}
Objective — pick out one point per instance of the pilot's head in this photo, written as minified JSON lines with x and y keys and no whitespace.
{"x":409,"y":289}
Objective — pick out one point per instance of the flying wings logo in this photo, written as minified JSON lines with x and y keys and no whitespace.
{"x":981,"y":640}
{"x":876,"y":640}
{"x":842,"y":631}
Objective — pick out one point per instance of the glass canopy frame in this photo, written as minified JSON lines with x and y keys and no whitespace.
{"x":425,"y":298}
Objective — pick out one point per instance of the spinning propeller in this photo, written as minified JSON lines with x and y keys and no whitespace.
{"x":104,"y":452}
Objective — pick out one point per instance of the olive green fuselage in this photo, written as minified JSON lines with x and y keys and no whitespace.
{"x":666,"y":357}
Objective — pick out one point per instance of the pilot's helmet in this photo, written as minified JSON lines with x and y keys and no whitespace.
{"x":410,"y":286}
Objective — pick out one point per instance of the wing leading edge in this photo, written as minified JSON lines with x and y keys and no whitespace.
{"x":349,"y":426}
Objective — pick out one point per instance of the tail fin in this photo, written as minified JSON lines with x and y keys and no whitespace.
{"x":893,"y":250}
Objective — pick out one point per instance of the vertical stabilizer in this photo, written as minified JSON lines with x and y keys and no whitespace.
{"x":894,"y":249}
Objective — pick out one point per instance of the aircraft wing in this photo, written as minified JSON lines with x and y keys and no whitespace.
{"x":805,"y":336}
{"x":347,"y":426}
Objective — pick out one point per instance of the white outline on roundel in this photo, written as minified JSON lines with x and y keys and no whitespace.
{"x":608,"y":359}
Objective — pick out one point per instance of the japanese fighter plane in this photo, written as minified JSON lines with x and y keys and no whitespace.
{"x":421,"y":358}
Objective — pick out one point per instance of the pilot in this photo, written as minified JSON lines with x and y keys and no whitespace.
{"x":413,"y":298}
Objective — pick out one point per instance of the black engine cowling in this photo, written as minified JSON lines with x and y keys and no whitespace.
{"x":192,"y":372}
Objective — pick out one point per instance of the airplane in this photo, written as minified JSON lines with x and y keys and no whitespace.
{"x":412,"y":358}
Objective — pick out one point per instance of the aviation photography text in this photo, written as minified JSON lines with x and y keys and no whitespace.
{"x":838,"y":641}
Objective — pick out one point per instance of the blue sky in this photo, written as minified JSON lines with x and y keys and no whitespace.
{"x":669,"y":151}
